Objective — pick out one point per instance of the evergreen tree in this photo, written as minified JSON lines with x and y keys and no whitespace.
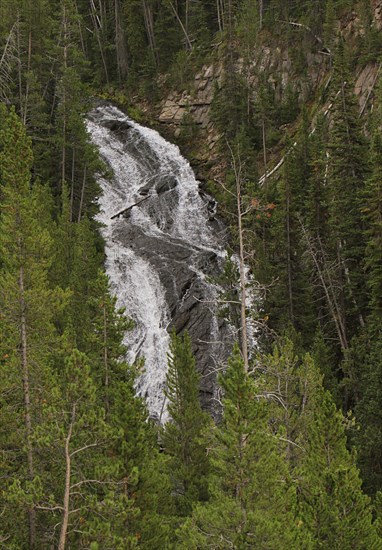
{"x":108,"y":326}
{"x":331,"y":500}
{"x":347,"y":173}
{"x":331,"y":504}
{"x":325,"y":360}
{"x":28,"y":309}
{"x":85,"y":489}
{"x":64,"y":239}
{"x":87,"y":258}
{"x":329,"y":24}
{"x":229,"y":106}
{"x":182,"y":436}
{"x":363,"y":365}
{"x":136,"y":445}
{"x":282,"y":262}
{"x":315,"y":231}
{"x":252,"y":502}
{"x":372,"y":211}
{"x":365,"y":383}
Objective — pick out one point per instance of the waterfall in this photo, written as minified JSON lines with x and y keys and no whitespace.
{"x":162,"y":254}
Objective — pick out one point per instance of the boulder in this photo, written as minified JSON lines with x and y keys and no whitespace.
{"x":166,"y":184}
{"x":117,"y":125}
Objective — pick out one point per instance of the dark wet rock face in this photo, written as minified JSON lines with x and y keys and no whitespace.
{"x":161,"y":185}
{"x":116,"y":125}
{"x":187,"y":296}
{"x":173,"y":239}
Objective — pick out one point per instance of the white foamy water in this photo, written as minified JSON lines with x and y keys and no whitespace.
{"x":134,"y":280}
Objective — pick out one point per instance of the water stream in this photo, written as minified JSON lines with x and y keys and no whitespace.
{"x":163,"y":254}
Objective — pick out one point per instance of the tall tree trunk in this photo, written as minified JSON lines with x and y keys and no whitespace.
{"x":264,"y":138}
{"x":186,"y":19}
{"x":27,"y":402}
{"x":97,"y":26}
{"x":325,"y":279}
{"x":82,"y":195}
{"x":243,"y":297}
{"x":184,"y":30}
{"x":230,"y":19}
{"x":25,"y":110}
{"x":261,"y":7}
{"x":80,"y":29}
{"x":350,"y":287}
{"x":65,"y":62}
{"x":243,"y":293}
{"x":102,"y":12}
{"x":68,"y":473}
{"x":149,"y":26}
{"x":120,"y":46}
{"x":237,"y":167}
{"x":105,"y":359}
{"x":220,"y":14}
{"x":289,"y":249}
{"x":19,"y":71}
{"x":63,"y":151}
{"x":72,"y":185}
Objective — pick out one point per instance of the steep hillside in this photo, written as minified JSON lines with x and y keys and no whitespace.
{"x":295,"y":80}
{"x":266,"y":310}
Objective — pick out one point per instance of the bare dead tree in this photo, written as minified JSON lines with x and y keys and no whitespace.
{"x":8,"y":58}
{"x":120,"y":42}
{"x":306,"y":28}
{"x":68,"y":472}
{"x":27,"y":398}
{"x":261,"y":11}
{"x":149,"y":26}
{"x":184,"y":30}
{"x":221,"y":14}
{"x":241,"y":212}
{"x":98,"y":26}
{"x":268,"y":173}
{"x":325,"y":275}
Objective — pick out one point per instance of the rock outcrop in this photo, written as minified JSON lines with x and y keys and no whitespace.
{"x":196,"y":104}
{"x":165,"y":247}
{"x":283,"y":73}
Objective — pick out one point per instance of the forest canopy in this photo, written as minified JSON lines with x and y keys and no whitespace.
{"x":294,"y":457}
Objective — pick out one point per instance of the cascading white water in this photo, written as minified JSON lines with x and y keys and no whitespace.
{"x":140,"y":261}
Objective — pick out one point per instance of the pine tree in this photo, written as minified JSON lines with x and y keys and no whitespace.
{"x":252,"y":502}
{"x":329,"y":24}
{"x":71,"y":147}
{"x":84,"y":494}
{"x":28,"y":309}
{"x":136,"y":445}
{"x":182,"y":436}
{"x":108,"y":326}
{"x":366,"y":385}
{"x":372,"y":211}
{"x":87,"y":258}
{"x":332,"y":508}
{"x":284,"y":262}
{"x":316,"y":233}
{"x":229,"y":106}
{"x":347,"y":173}
{"x":332,"y":504}
{"x":129,"y":451}
{"x":325,"y":359}
{"x":64,"y":240}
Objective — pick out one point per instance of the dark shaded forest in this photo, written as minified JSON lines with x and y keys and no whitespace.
{"x":295,"y":461}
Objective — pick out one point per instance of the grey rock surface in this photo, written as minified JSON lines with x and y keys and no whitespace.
{"x":186,"y":267}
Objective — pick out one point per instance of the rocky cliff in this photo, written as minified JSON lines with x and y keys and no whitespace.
{"x":283,"y":71}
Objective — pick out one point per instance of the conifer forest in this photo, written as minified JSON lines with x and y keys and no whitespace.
{"x":191,"y":274}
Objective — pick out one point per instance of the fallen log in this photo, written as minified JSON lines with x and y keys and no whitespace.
{"x":129,"y":208}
